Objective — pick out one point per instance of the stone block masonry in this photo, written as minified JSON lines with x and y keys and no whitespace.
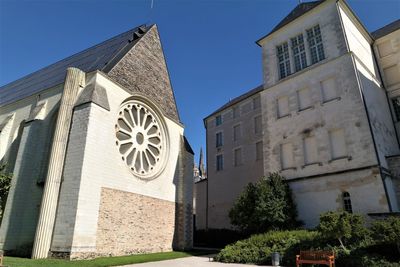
{"x":128,"y":224}
{"x":143,"y":69}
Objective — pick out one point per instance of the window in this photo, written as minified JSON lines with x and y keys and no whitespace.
{"x":218,"y":139}
{"x":218,"y":120}
{"x":286,"y":151}
{"x":257,"y":125}
{"x":237,"y":157}
{"x":337,"y":144}
{"x":299,"y":52}
{"x":259,"y":150}
{"x":347,"y":202}
{"x":256,"y":102}
{"x":328,"y":90}
{"x":235,"y":112}
{"x":283,"y":106}
{"x":304,"y":98}
{"x":310,"y":150}
{"x":236,"y":132}
{"x":283,"y":60}
{"x":220,"y":162}
{"x":396,"y":107}
{"x":314,"y":39}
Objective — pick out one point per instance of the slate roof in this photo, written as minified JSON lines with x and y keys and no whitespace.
{"x":298,"y":11}
{"x":385,"y":30}
{"x":99,"y":57}
{"x":237,"y":100}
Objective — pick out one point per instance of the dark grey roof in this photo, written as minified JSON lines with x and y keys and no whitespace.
{"x":385,"y":30}
{"x":298,"y":11}
{"x":98,"y":57}
{"x":237,"y":100}
{"x":188,"y":148}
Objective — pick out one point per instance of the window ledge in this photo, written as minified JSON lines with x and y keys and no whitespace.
{"x":289,"y":168}
{"x":339,"y":158}
{"x":284,"y":116}
{"x":331,"y":100}
{"x":304,"y":109}
{"x":310,"y":164}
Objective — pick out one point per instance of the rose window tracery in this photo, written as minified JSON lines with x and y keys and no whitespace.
{"x":141,"y":139}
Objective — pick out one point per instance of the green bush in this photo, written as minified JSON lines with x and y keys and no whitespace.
{"x":258,"y":248}
{"x":364,"y":248}
{"x":5,"y":183}
{"x":387,"y":231}
{"x":266,"y":205}
{"x":343,"y":226}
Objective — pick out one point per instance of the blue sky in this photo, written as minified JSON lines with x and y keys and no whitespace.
{"x":209,"y":44}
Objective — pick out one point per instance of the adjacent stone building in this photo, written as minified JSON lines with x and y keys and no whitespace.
{"x":328,"y":113}
{"x":99,"y":161}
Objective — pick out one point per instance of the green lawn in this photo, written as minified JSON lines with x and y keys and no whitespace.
{"x":102,"y":262}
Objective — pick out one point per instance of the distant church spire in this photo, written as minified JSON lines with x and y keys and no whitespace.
{"x":202,"y":171}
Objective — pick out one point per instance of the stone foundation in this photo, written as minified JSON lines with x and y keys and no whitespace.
{"x":130,"y":223}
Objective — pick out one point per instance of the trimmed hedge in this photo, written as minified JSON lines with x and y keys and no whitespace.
{"x":258,"y":248}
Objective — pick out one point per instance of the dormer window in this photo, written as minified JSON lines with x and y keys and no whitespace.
{"x":314,"y":39}
{"x":283,"y":60}
{"x":299,"y":52}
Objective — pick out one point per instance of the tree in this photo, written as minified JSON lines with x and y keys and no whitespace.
{"x":5,"y":183}
{"x":387,"y":231}
{"x":264,"y":206}
{"x":342,"y":226}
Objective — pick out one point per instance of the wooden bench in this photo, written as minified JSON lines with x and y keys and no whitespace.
{"x":316,"y":257}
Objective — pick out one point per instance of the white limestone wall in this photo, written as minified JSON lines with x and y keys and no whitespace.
{"x":326,"y":16}
{"x":387,"y":52}
{"x":93,"y":133}
{"x":20,"y":110}
{"x":24,"y":147}
{"x":346,"y":112}
{"x":323,"y":182}
{"x":321,"y":194}
{"x":358,"y":39}
{"x":379,"y":114}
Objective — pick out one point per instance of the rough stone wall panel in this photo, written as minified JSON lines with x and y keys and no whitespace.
{"x":128,"y":224}
{"x":143,"y":69}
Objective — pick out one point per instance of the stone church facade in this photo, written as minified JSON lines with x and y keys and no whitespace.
{"x":99,"y":160}
{"x":326,"y":118}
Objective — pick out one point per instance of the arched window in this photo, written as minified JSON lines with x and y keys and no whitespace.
{"x":347,"y":202}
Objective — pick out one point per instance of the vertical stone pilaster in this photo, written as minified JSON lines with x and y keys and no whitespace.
{"x":44,"y":230}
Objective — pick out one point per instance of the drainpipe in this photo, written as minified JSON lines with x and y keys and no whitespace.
{"x":44,"y":231}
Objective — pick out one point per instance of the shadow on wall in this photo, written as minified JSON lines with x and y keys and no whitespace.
{"x":183,"y":210}
{"x":28,"y":158}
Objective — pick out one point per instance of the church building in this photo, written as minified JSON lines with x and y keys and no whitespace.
{"x":97,"y":150}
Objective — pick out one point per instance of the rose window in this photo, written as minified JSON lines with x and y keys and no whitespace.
{"x":141,"y":139}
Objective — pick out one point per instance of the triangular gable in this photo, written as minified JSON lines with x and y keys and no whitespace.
{"x":143,"y":69}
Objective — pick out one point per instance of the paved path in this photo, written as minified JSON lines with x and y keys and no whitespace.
{"x":199,"y":261}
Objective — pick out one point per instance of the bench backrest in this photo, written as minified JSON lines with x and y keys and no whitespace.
{"x":316,"y":254}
